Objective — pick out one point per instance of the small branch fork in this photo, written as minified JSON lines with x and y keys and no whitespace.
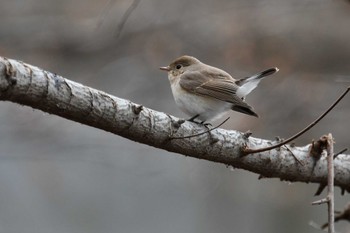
{"x":246,"y":151}
{"x":329,"y":152}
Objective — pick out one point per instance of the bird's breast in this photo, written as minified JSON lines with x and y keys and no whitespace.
{"x":193,"y":104}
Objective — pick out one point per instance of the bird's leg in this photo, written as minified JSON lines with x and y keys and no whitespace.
{"x":194,"y":117}
{"x":206,"y":124}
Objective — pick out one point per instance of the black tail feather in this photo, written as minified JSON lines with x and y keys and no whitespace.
{"x":245,"y":110}
{"x":262,"y":74}
{"x":267,"y":72}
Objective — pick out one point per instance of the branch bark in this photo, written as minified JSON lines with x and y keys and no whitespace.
{"x":29,"y":85}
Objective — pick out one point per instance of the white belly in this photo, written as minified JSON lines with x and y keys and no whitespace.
{"x":208,"y":108}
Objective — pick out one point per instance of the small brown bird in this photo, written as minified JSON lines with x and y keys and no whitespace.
{"x":206,"y":93}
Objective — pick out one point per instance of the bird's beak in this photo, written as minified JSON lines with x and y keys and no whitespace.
{"x":166,"y":68}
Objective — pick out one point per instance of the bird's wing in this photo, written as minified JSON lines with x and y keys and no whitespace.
{"x":215,"y":85}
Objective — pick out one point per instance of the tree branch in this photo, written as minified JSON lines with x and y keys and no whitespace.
{"x":28,"y":85}
{"x":330,"y":195}
{"x":307,"y":128}
{"x":329,"y":152}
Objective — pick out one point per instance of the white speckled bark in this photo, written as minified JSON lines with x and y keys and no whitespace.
{"x":28,"y":85}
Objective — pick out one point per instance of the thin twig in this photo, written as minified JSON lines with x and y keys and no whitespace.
{"x":320,"y":202}
{"x":198,"y":134}
{"x":247,"y":151}
{"x":340,"y":152}
{"x":125,"y":17}
{"x":330,"y":195}
{"x":300,"y":162}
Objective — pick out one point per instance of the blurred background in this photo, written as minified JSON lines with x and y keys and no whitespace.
{"x":61,"y":176}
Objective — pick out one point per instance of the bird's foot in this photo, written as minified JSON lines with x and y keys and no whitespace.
{"x":206,"y":124}
{"x":192,"y":119}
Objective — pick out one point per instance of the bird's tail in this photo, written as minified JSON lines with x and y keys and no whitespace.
{"x":246,"y":85}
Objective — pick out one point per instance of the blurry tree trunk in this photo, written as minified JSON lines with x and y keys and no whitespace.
{"x":28,"y":85}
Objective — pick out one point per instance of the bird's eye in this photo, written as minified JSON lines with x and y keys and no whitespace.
{"x":178,"y":66}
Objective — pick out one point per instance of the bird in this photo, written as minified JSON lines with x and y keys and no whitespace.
{"x":205,"y":93}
